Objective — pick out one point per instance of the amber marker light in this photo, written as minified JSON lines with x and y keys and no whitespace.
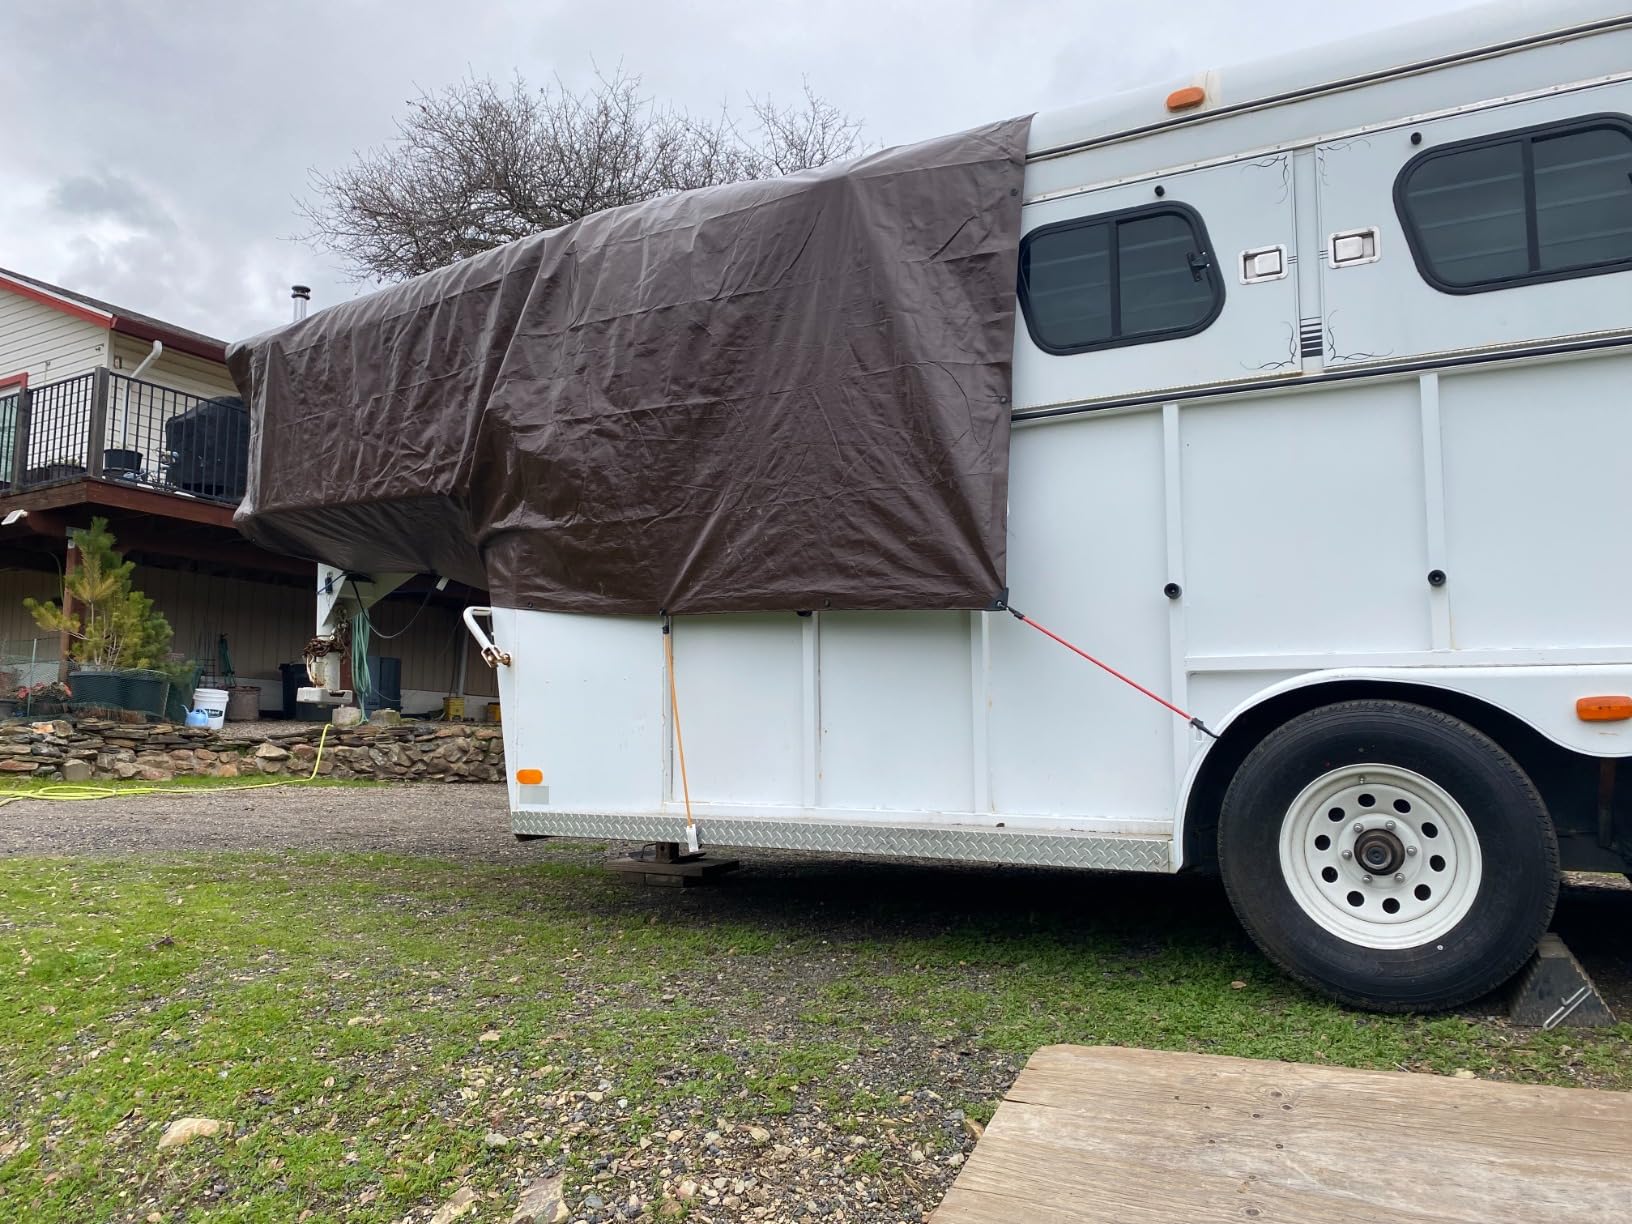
{"x":1188,"y":98}
{"x":529,"y":777}
{"x":1613,"y":708}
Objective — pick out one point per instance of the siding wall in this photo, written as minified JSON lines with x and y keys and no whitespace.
{"x":50,"y":346}
{"x":181,"y":371}
{"x":46,"y":342}
{"x":17,"y":627}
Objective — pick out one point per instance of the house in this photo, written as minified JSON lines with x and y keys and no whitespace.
{"x":106,"y":411}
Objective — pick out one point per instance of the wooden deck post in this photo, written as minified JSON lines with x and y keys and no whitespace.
{"x":19,"y":435}
{"x":97,"y":440}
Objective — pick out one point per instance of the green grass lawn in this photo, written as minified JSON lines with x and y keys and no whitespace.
{"x":364,"y":1022}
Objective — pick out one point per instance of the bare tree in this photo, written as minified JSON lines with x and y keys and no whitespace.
{"x":475,"y":165}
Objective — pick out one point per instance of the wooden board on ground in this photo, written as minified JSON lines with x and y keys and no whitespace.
{"x":1095,"y":1135}
{"x":686,"y":871}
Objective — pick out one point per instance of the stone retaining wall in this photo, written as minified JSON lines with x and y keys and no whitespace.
{"x":157,"y":752}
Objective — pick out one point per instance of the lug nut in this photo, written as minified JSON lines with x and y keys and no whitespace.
{"x":1399,"y":877}
{"x":1410,"y":849}
{"x":1366,"y":878}
{"x":1348,"y":854}
{"x":1358,"y":827}
{"x":1389,"y":825}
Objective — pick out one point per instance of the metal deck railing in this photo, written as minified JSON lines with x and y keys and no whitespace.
{"x":107,"y":426}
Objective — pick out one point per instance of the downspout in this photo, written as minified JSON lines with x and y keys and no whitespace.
{"x":122,"y":421}
{"x":153,"y":355}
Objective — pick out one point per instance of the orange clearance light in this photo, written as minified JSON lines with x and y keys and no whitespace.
{"x":1604,"y":709}
{"x":1187,"y":98}
{"x":529,"y":777}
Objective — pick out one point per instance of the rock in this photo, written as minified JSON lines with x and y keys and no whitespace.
{"x":271,"y":752}
{"x":686,"y":1190}
{"x":668,"y":1209}
{"x":955,"y":1159}
{"x":593,"y":1202}
{"x":124,"y":770}
{"x":462,"y":1203}
{"x":18,"y":766}
{"x":491,"y":1035}
{"x":386,"y":718}
{"x":1463,"y":1073}
{"x":759,"y":1135}
{"x":149,"y":773}
{"x":347,"y":716}
{"x":229,"y":770}
{"x":973,"y":1129}
{"x":540,"y":1203}
{"x":304,"y":752}
{"x":495,"y":1139}
{"x":185,"y":1130}
{"x":76,"y":771}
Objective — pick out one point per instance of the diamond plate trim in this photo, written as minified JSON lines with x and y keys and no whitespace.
{"x":1097,"y":851}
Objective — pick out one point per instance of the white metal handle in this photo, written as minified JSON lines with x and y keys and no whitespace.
{"x":491,"y":654}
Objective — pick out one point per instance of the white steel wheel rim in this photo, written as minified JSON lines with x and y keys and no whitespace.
{"x":1380,"y":856}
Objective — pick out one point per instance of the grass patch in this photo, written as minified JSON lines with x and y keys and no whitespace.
{"x":365,"y":1021}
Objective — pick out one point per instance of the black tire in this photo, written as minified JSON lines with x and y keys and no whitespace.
{"x":1519,"y":851}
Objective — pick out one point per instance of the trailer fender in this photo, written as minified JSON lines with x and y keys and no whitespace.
{"x":1541,"y":696}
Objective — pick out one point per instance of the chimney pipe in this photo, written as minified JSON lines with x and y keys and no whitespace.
{"x":302,"y":294}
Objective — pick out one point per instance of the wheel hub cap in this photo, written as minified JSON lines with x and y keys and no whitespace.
{"x":1380,"y":856}
{"x":1379,"y":851}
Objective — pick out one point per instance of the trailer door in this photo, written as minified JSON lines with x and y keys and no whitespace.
{"x":1182,"y":281}
{"x":1505,"y":227}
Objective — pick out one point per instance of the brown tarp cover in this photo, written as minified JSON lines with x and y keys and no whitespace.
{"x":787,"y":394}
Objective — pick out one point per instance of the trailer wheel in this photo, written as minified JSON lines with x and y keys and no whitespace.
{"x":1389,"y":855}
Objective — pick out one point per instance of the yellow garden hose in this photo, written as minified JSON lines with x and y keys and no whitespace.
{"x":81,"y":792}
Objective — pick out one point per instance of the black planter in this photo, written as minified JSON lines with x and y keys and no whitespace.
{"x":96,"y":688}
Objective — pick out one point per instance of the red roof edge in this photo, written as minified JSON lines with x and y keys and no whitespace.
{"x":141,"y":329}
{"x":100,"y":318}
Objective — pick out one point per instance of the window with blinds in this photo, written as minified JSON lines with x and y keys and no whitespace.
{"x":1540,"y":204}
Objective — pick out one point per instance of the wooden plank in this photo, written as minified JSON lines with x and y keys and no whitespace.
{"x":1139,"y":1137}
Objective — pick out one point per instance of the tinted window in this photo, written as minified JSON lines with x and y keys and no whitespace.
{"x":1123,"y":278}
{"x":1583,"y":198}
{"x":1540,"y":204}
{"x":1067,"y":277}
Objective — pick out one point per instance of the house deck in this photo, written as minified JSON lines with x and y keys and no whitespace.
{"x":1138,"y":1137}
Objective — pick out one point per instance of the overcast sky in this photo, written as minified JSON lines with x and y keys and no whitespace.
{"x":150,"y":149}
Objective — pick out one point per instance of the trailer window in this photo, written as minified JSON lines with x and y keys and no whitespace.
{"x":1122,"y":278}
{"x":1540,"y":204}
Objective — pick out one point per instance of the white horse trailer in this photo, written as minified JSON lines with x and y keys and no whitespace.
{"x":1322,"y":424}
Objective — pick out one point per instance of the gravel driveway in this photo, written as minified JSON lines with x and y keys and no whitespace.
{"x":461,"y":822}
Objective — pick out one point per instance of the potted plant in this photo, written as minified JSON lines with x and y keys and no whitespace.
{"x":116,"y":635}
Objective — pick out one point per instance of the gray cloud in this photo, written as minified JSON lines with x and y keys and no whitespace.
{"x":113,"y":197}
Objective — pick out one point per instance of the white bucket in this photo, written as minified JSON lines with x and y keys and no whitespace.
{"x":213,"y":702}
